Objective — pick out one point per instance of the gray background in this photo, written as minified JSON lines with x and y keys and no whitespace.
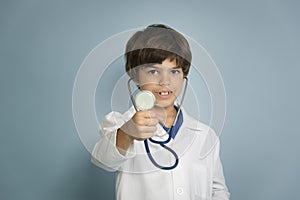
{"x":255,"y":45}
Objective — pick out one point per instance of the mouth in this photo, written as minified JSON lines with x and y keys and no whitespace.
{"x":164,"y":94}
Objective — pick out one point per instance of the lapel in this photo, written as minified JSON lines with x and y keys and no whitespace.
{"x":191,"y":131}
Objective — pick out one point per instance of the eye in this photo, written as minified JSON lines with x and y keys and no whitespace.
{"x":175,"y":71}
{"x":153,"y":71}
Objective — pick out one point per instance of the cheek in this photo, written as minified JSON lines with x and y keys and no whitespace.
{"x":178,"y":82}
{"x":142,"y":79}
{"x":149,"y":87}
{"x":146,"y":80}
{"x":178,"y":87}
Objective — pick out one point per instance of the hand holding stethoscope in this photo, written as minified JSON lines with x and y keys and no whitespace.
{"x":142,"y":125}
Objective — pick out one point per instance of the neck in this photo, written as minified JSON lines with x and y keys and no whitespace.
{"x":171,"y":115}
{"x":168,"y":114}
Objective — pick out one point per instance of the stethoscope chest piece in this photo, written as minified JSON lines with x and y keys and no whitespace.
{"x":144,"y":100}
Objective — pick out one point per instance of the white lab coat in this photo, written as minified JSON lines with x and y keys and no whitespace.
{"x":198,"y":176}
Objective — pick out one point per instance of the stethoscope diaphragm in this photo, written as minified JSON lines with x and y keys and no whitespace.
{"x":144,"y":100}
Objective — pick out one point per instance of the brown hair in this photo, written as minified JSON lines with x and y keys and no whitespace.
{"x":155,"y":44}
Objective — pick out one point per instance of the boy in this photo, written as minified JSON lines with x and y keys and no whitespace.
{"x":158,"y":59}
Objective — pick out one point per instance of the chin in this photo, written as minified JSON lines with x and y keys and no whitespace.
{"x":165,"y":104}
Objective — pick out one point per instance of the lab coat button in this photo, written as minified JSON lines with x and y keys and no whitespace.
{"x":179,"y":190}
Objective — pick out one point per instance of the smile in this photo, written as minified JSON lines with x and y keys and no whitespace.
{"x":164,"y":94}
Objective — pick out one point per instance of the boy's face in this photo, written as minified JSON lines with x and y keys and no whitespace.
{"x":163,"y":80}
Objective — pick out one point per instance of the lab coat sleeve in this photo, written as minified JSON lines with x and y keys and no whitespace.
{"x":220,"y":191}
{"x":105,"y":153}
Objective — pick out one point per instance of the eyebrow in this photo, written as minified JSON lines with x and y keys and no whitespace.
{"x":153,"y":66}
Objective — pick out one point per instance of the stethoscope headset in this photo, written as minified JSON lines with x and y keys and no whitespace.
{"x":145,"y":100}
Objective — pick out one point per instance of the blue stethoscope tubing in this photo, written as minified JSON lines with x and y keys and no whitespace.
{"x":161,"y":143}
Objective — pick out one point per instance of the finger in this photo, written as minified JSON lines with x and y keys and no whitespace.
{"x":155,"y":116}
{"x":147,"y":114}
{"x":145,"y":119}
{"x":150,"y":122}
{"x":146,"y":129}
{"x":144,"y":136}
{"x":159,"y":113}
{"x":161,"y":118}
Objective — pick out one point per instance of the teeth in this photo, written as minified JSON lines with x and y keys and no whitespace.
{"x":164,"y":93}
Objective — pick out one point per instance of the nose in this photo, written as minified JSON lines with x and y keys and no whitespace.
{"x":164,"y":79}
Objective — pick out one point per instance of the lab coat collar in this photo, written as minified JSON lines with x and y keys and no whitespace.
{"x":191,"y":123}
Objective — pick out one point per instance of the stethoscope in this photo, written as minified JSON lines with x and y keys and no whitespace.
{"x":145,"y":100}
